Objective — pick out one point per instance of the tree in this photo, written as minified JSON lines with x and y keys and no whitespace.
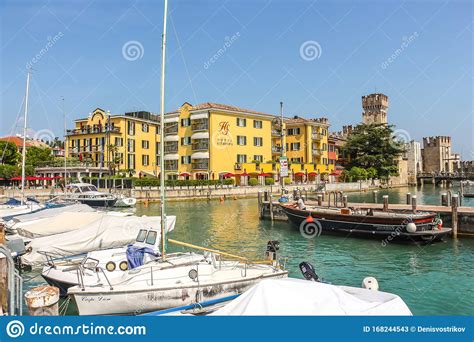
{"x":373,"y":146}
{"x":9,"y":171}
{"x":9,"y":153}
{"x":38,"y":156}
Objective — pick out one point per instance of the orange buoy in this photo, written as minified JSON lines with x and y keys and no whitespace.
{"x":309,"y":219}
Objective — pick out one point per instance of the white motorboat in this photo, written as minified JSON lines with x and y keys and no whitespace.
{"x":88,"y":194}
{"x":13,"y":208}
{"x":125,"y":202}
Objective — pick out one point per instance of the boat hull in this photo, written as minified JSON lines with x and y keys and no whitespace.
{"x":98,"y":202}
{"x":367,"y":227}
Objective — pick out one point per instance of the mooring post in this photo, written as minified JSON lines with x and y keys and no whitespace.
{"x":320,"y":200}
{"x":270,"y":204}
{"x":408,"y":198}
{"x":385,"y":202}
{"x":43,"y":301}
{"x":259,"y":199}
{"x":344,"y":201}
{"x":454,"y":215}
{"x":265,"y":196}
{"x":374,"y":195}
{"x":413,"y":204}
{"x":444,"y":199}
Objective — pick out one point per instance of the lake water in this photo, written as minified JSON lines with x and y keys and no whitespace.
{"x":433,"y":280}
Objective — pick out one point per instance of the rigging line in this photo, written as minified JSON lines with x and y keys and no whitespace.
{"x":42,"y":103}
{"x":182,"y":57}
{"x":15,"y":124}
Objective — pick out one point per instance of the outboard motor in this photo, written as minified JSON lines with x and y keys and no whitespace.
{"x":308,"y":271}
{"x":273,"y":247}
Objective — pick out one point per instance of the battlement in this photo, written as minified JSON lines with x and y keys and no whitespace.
{"x":437,"y":141}
{"x":375,"y":108}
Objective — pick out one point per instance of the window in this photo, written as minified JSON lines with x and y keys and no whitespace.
{"x":241,"y":140}
{"x":296,"y":160}
{"x":141,"y":235}
{"x":145,"y":160}
{"x":295,"y":146}
{"x":131,"y":161}
{"x":118,"y":158}
{"x":257,"y":141}
{"x":241,"y":158}
{"x":118,"y":142}
{"x":258,"y":158}
{"x":293,"y":131}
{"x":145,"y":128}
{"x":185,"y":160}
{"x":257,"y":124}
{"x":131,"y":127}
{"x":185,"y":122}
{"x":157,"y":146}
{"x":325,"y":147}
{"x":185,"y":141}
{"x":241,"y":122}
{"x":151,"y":237}
{"x":131,"y":145}
{"x":145,"y":144}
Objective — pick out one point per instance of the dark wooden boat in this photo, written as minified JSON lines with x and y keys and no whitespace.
{"x":468,"y":194}
{"x":392,"y":225}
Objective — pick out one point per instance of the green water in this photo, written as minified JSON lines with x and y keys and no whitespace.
{"x":433,"y":280}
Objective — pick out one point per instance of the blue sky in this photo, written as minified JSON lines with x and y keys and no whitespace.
{"x":419,"y":53}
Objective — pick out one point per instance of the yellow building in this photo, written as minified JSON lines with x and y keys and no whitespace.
{"x":205,"y":141}
{"x":128,"y":142}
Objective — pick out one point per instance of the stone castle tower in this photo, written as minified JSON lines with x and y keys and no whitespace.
{"x":374,"y":109}
{"x":437,"y":154}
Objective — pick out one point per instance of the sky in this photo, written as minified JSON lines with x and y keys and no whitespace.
{"x":318,"y":57}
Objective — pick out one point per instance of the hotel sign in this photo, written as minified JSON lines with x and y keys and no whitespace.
{"x":283,"y":166}
{"x":224,"y":138}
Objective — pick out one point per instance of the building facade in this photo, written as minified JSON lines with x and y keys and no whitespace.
{"x":437,"y":156}
{"x":414,"y":160}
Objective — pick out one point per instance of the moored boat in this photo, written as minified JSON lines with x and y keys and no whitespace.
{"x":88,"y":194}
{"x":393,"y":225}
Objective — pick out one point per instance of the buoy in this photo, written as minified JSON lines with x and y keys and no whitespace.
{"x":145,"y":203}
{"x":235,"y":197}
{"x":221,"y":199}
{"x":440,"y":224}
{"x":370,"y":283}
{"x":411,"y":227}
{"x":309,"y":219}
{"x":43,"y":301}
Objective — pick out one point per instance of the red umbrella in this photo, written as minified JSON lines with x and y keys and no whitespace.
{"x":299,"y":174}
{"x":334,"y":174}
{"x":312,"y":174}
{"x":45,"y":178}
{"x":17,"y":178}
{"x":245,"y":174}
{"x":185,"y":174}
{"x":229,"y":174}
{"x":57,"y":177}
{"x":264,"y":174}
{"x":32,"y":178}
{"x":2,"y":178}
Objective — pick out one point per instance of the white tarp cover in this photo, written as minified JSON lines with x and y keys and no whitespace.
{"x":297,"y":297}
{"x":50,"y":212}
{"x":61,"y":223}
{"x":6,"y":211}
{"x":107,"y":232}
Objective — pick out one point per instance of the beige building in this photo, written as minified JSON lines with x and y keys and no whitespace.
{"x":437,"y":155}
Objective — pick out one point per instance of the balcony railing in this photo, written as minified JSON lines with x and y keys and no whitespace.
{"x":276,"y":133}
{"x":201,"y":145}
{"x":201,"y":165}
{"x":200,"y":125}
{"x":316,"y":136}
{"x":317,"y":152}
{"x":171,"y":147}
{"x":91,"y":130}
{"x":171,"y":130}
{"x":171,"y":165}
{"x":276,"y":149}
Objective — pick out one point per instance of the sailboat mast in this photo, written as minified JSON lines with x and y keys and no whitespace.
{"x":23,"y":152}
{"x":162,"y":129}
{"x":64,"y":147}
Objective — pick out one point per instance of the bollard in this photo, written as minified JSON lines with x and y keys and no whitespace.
{"x":320,"y":200}
{"x":344,"y":201}
{"x":270,"y":204}
{"x":374,"y":194}
{"x":413,"y":204}
{"x":385,"y":202}
{"x":444,"y":199}
{"x":408,"y":198}
{"x":265,"y":196}
{"x":43,"y":301}
{"x":454,"y":215}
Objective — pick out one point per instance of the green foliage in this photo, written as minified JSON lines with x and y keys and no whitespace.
{"x":373,"y":146}
{"x":286,"y":181}
{"x":38,"y":156}
{"x":9,"y":153}
{"x":269,"y":181}
{"x":9,"y":171}
{"x":228,"y":181}
{"x":253,"y":181}
{"x":371,"y":172}
{"x":155,"y":182}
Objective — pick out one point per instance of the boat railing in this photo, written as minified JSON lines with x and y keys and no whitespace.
{"x":87,"y":265}
{"x":338,"y":197}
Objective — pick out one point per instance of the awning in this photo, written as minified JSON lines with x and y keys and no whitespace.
{"x":28,"y":178}
{"x":264,"y":174}
{"x":185,"y":174}
{"x":171,"y":157}
{"x":199,"y":116}
{"x":58,"y":177}
{"x":169,"y":120}
{"x":45,"y":178}
{"x":312,"y":174}
{"x":228,"y":174}
{"x":300,"y":174}
{"x":200,"y":135}
{"x":200,"y":155}
{"x":171,"y":138}
{"x":334,"y":174}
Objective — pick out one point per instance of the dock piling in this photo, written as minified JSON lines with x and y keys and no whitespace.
{"x":454,"y":214}
{"x":320,"y":200}
{"x":374,"y":195}
{"x":385,"y":202}
{"x":270,"y":204}
{"x":413,"y":204}
{"x":444,"y":199}
{"x":408,"y":198}
{"x":344,"y":201}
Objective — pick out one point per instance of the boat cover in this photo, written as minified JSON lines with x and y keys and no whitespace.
{"x":61,"y":223}
{"x":296,"y":297}
{"x":106,"y":232}
{"x":52,"y":211}
{"x":136,"y":254}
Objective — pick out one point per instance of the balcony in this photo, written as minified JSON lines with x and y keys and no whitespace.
{"x":276,"y":133}
{"x":200,"y":125}
{"x":276,"y":149}
{"x":171,"y":147}
{"x":171,"y":165}
{"x":91,"y":130}
{"x":201,"y":164}
{"x":316,"y":136}
{"x":171,"y":129}
{"x":201,"y":145}
{"x":317,"y":152}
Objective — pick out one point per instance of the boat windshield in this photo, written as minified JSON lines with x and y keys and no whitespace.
{"x":141,"y":235}
{"x":151,"y":238}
